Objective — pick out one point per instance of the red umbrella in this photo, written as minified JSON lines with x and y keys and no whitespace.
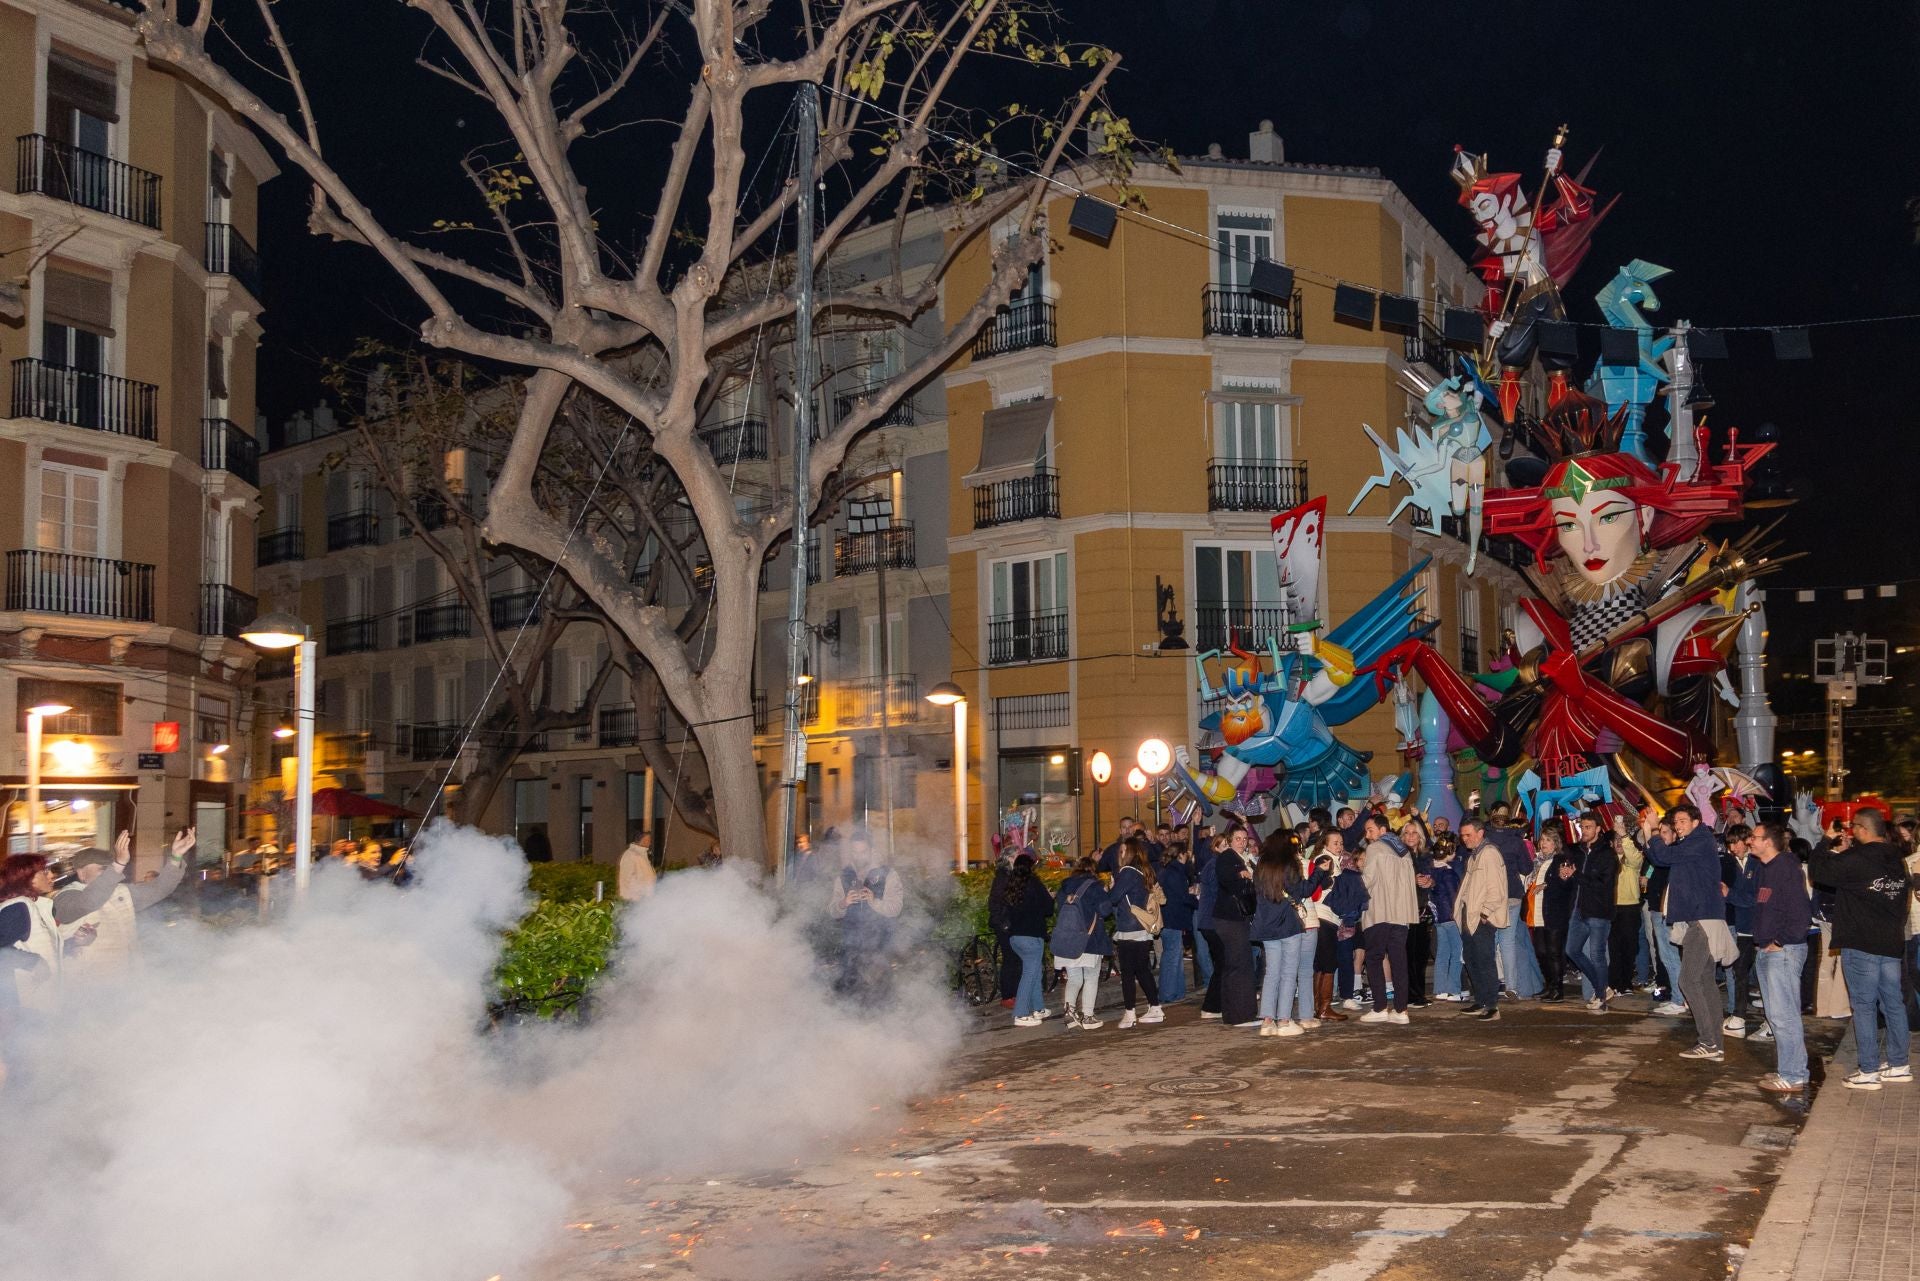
{"x":338,"y":802}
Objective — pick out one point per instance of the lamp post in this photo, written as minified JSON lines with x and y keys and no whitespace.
{"x":1154,"y":757}
{"x":284,"y":631}
{"x":36,"y":727}
{"x":1137,"y":780}
{"x":947,"y":694}
{"x":1101,"y":767}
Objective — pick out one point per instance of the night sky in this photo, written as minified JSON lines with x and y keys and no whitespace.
{"x":1764,"y":153}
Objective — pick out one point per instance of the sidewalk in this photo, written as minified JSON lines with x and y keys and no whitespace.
{"x":1847,"y":1205}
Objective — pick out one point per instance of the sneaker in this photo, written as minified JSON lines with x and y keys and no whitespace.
{"x":1705,"y":1054}
{"x":1026,"y":1020}
{"x":1209,"y":1014}
{"x":1488,"y":1016}
{"x":1006,"y":1002}
{"x":1598,"y":1005}
{"x":1377,"y":1016}
{"x":1353,"y":1003}
{"x":1903,"y":1074}
{"x":1154,"y":1014}
{"x":1088,"y":1023}
{"x":1762,"y":1033}
{"x":1289,"y":1028}
{"x":1473,"y":1007}
{"x":1774,"y":1083}
{"x":1670,"y":1009}
{"x":1127,"y":1020}
{"x":1417,"y":1005}
{"x":1073,"y":1017}
{"x":1399,"y":1016}
{"x":1863,"y":1081}
{"x":1268,"y":1027}
{"x":1734,"y":1026}
{"x":1043,"y":1013}
{"x":1508,"y":994}
{"x":1306,"y":1025}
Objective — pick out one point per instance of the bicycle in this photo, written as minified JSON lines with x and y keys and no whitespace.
{"x":977,"y":970}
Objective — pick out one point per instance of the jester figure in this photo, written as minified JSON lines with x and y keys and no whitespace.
{"x":1280,"y":717}
{"x":1526,"y":255}
{"x":1622,"y":650}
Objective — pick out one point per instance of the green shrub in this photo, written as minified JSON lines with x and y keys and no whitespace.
{"x":569,"y":882}
{"x":553,"y":955}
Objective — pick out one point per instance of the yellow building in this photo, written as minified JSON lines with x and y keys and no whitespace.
{"x":1135,"y":417}
{"x":129,"y":318}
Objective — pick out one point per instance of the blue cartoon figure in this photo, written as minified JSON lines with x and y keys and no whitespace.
{"x":1443,"y":462}
{"x":1633,"y":387}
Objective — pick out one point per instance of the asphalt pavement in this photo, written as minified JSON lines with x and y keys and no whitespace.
{"x":1552,"y":1144}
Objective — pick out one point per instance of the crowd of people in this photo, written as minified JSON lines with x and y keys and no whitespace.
{"x":1373,"y":913}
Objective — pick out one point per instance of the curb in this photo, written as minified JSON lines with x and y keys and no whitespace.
{"x":1774,"y":1254}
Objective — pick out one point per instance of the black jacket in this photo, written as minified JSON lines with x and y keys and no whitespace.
{"x":1870,"y":885}
{"x":1236,"y":891}
{"x":1028,"y":915}
{"x":1599,"y":869}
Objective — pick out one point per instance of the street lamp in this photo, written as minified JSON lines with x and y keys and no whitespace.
{"x":1154,"y":757}
{"x":1136,"y":780}
{"x":279,"y":631}
{"x":1101,"y":767}
{"x":947,"y":694}
{"x":36,"y":726}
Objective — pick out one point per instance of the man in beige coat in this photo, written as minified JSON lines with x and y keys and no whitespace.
{"x":1393,"y":905}
{"x":1481,"y":910}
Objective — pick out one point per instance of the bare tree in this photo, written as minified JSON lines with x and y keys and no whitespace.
{"x":894,"y":139}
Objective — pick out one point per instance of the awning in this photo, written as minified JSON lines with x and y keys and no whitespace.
{"x":1010,"y":442}
{"x":340,"y":803}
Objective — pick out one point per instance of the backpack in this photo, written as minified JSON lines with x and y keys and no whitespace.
{"x":1073,"y":926}
{"x":1149,"y":917}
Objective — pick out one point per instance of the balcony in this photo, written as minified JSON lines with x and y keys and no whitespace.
{"x":864,"y":553}
{"x":1271,"y":485}
{"x":229,"y":254}
{"x":1425,"y":347}
{"x":1469,"y":651}
{"x":87,"y":179}
{"x":441,"y":622}
{"x":273,"y":667}
{"x":508,"y":610}
{"x":1016,"y":327}
{"x":355,"y":529}
{"x":83,"y":398}
{"x":861,"y":702}
{"x":1007,"y":502}
{"x":1232,"y":311}
{"x":902,"y":414}
{"x":770,"y":716}
{"x":280,"y":546}
{"x":224,"y":447}
{"x":436,"y":741}
{"x":619,"y":725}
{"x":736,"y":440}
{"x":225,"y":610}
{"x":1027,"y":638}
{"x":353,"y":636}
{"x":86,"y":586}
{"x":1218,"y":624}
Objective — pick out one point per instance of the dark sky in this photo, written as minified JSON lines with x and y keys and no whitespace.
{"x":1765,"y":153}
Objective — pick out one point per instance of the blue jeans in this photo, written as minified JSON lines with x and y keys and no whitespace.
{"x":1027,"y":998}
{"x":1518,"y":968}
{"x":1173,"y":964}
{"x":1779,"y":974}
{"x":1303,"y":976}
{"x":1279,"y":989}
{"x":1202,"y":956}
{"x":1447,"y":956}
{"x":1669,"y":953}
{"x":1343,"y":965}
{"x":1587,"y":948}
{"x":1873,"y":988}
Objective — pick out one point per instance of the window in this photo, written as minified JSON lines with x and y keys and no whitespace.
{"x":77,"y":320}
{"x":219,"y":186}
{"x":896,"y":646}
{"x":356,"y":709}
{"x":1410,"y":273}
{"x":583,"y":791}
{"x":454,"y":470}
{"x":452,"y":700}
{"x":401,"y":711}
{"x":1028,"y":618}
{"x":96,"y":706}
{"x":530,"y":818}
{"x":287,"y":505}
{"x":1236,"y":591}
{"x":1039,"y":782}
{"x":1251,"y":432}
{"x":82,"y":103}
{"x":1469,"y":628}
{"x":1243,"y":238}
{"x":69,"y":509}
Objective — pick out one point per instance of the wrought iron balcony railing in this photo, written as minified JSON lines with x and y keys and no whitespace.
{"x":1426,"y":347}
{"x":1005,"y":502}
{"x":736,"y":440}
{"x":508,"y":610}
{"x":224,"y":447}
{"x":88,"y":586}
{"x":354,"y":529}
{"x":229,"y":254}
{"x":901,"y":414}
{"x":281,"y":545}
{"x":1234,"y":311}
{"x":1027,"y":638}
{"x":441,"y":622}
{"x":866,"y":552}
{"x":87,"y":179}
{"x":1018,"y":326}
{"x":353,"y":636}
{"x":1218,"y":624}
{"x":1268,"y":485}
{"x":225,"y":610}
{"x":435,"y":741}
{"x":83,"y":398}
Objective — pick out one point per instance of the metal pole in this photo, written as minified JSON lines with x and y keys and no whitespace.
{"x":960,"y":785}
{"x":304,"y":657}
{"x":1096,"y":813}
{"x":796,"y":737}
{"x":1754,"y":723}
{"x":35,"y":728}
{"x":886,"y":695}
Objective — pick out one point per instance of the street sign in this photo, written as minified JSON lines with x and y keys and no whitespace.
{"x":166,"y":736}
{"x":153,"y":760}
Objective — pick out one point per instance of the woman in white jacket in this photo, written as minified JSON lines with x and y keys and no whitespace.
{"x":34,"y":942}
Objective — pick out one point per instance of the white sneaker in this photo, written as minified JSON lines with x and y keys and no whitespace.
{"x":1027,"y":1020}
{"x":1127,"y":1020}
{"x":1307,"y":1025}
{"x":1088,"y":1023}
{"x":1734,"y":1026}
{"x":1289,"y":1028}
{"x":1762,"y":1033}
{"x":1154,"y":1014}
{"x":1903,"y":1075}
{"x":1863,"y":1081}
{"x":1399,"y":1016}
{"x":1209,"y":1014}
{"x":1353,"y":1003}
{"x":1043,"y":1013}
{"x":1671,"y":1009}
{"x":1377,"y":1016}
{"x":1268,"y":1028}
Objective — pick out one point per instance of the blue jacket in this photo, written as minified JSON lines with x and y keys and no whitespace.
{"x":1129,"y":889}
{"x":1348,"y":898}
{"x":1097,"y":900}
{"x":1743,"y":896}
{"x":1276,"y":919}
{"x":1209,"y":891}
{"x":1446,"y":889}
{"x":1176,"y":879}
{"x":1693,"y":875}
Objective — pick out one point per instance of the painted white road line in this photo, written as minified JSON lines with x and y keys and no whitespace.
{"x":1378,"y":1246}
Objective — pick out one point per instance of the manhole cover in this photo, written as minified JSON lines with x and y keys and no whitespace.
{"x":1187,"y":1086}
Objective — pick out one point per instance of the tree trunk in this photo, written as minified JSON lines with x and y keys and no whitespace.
{"x":737,"y":802}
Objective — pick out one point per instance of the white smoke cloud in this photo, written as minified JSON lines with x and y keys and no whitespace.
{"x":320,"y":1100}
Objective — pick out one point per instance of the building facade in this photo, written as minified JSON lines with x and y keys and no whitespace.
{"x":128,"y":492}
{"x":1134,"y":419}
